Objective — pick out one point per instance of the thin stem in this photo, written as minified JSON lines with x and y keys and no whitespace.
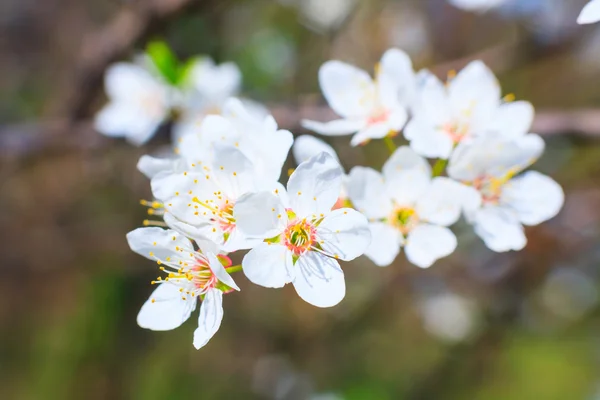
{"x":389,"y":142}
{"x":235,"y":268}
{"x":439,"y":167}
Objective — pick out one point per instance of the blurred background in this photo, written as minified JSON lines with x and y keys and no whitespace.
{"x":477,"y":325}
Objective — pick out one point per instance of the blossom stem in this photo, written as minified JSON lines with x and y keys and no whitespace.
{"x":389,"y":142}
{"x":439,"y":167}
{"x":235,"y":268}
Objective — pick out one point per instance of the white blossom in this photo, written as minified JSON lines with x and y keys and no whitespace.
{"x":505,"y":200}
{"x":139,"y":101}
{"x":468,"y":106}
{"x":303,"y":237}
{"x":190,"y":275}
{"x":370,"y":108}
{"x":199,"y":201}
{"x":407,"y":208}
{"x":590,"y":13}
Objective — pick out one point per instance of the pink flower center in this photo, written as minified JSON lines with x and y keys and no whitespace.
{"x":379,"y":116}
{"x":456,"y":131}
{"x":299,"y":236}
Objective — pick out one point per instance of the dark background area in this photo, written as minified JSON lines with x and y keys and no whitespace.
{"x":477,"y":325}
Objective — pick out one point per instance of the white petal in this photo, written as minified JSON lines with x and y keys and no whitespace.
{"x":170,"y":181}
{"x":238,"y":240}
{"x":216,"y":82}
{"x":211,"y":315}
{"x":476,"y":92}
{"x":151,"y":166}
{"x":339,"y":127}
{"x":269,"y":265}
{"x":427,"y":243}
{"x":315,"y":185}
{"x":233,"y":171}
{"x":385,"y":244}
{"x":513,"y":119}
{"x":396,"y":70}
{"x":444,"y":199}
{"x":345,"y":234}
{"x":476,"y":5}
{"x":491,"y":155}
{"x":432,"y":103}
{"x":407,"y":176}
{"x":590,"y":13}
{"x":127,"y":81}
{"x":200,"y":231}
{"x":374,"y":131}
{"x":348,"y":90}
{"x":319,"y":280}
{"x":306,"y":146}
{"x":499,"y":228}
{"x":534,"y":197}
{"x":367,"y":191}
{"x":427,"y":139}
{"x":166,"y":309}
{"x":160,"y":244}
{"x":222,"y":275}
{"x":118,"y":119}
{"x":260,"y":215}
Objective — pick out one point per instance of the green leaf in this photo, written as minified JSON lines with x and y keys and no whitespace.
{"x":165,"y":61}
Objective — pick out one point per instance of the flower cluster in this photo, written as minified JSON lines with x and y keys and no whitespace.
{"x":221,"y":193}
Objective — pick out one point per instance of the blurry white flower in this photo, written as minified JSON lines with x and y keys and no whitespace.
{"x":372,"y":109}
{"x":305,"y":147}
{"x":328,"y":14}
{"x":405,"y":207}
{"x":505,"y":202}
{"x":590,"y":13}
{"x":199,"y":202}
{"x":476,"y":5}
{"x":190,"y":275}
{"x":258,"y":138}
{"x":303,"y":238}
{"x":449,"y":317}
{"x":469,"y":105}
{"x":139,"y":101}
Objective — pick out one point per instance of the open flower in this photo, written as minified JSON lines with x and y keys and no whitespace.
{"x":199,"y":202}
{"x":190,"y":275}
{"x":258,"y":138}
{"x":406,"y":208}
{"x":371,"y":108}
{"x":304,"y":238}
{"x":139,"y":101}
{"x":469,"y":105}
{"x":305,"y":147}
{"x":507,"y":201}
{"x":590,"y":13}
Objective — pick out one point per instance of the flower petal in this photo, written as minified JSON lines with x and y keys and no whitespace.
{"x":427,"y":140}
{"x":444,"y":199}
{"x":269,"y":265}
{"x":513,"y":119}
{"x":222,"y":275}
{"x":431,"y":103}
{"x":499,"y":228}
{"x":319,"y":280}
{"x":166,"y":309}
{"x":407,"y":176}
{"x":315,"y":185}
{"x":491,"y":155}
{"x":338,"y":127}
{"x":427,"y":243}
{"x":385,"y":244}
{"x":209,"y":320}
{"x":160,"y":244}
{"x":590,"y":13}
{"x":151,"y":166}
{"x":475,"y":91}
{"x":306,"y":146}
{"x":233,"y":171}
{"x":349,"y":91}
{"x":260,"y":215}
{"x":370,"y":132}
{"x":396,"y":73}
{"x":119,"y":119}
{"x":367,"y":191}
{"x":344,"y":234}
{"x":534,"y":197}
